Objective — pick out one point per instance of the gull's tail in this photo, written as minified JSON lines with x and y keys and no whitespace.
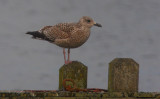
{"x":38,"y":35}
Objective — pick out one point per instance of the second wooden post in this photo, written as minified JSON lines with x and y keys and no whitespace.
{"x":123,"y":75}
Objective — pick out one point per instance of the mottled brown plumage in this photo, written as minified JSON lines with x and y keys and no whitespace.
{"x":67,"y":35}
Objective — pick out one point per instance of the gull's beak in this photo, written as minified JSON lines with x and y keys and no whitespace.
{"x":97,"y":24}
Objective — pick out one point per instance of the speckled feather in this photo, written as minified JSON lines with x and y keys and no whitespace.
{"x":68,"y":35}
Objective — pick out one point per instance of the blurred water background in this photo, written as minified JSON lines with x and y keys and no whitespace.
{"x":131,"y":29}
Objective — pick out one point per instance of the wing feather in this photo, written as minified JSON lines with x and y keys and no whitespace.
{"x":59,"y":31}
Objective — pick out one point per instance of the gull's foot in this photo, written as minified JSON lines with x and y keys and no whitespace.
{"x":67,"y":62}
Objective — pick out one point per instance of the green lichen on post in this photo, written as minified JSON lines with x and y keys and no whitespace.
{"x":123,"y":75}
{"x":75,"y":71}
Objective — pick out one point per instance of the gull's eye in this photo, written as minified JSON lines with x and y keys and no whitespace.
{"x":88,"y":21}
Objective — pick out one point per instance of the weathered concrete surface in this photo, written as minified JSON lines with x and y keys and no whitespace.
{"x":78,"y":95}
{"x":123,"y":75}
{"x":75,"y":71}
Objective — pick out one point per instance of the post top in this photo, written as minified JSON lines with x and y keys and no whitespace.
{"x":74,"y":64}
{"x":124,"y":61}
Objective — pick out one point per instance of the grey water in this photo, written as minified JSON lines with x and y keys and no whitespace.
{"x":131,"y":29}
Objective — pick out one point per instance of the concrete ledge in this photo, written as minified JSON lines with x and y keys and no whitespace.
{"x":78,"y":95}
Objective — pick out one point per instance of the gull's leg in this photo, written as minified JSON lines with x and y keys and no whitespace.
{"x":64,"y":53}
{"x":68,"y":61}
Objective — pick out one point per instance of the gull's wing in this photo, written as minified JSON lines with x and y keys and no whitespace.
{"x":59,"y":31}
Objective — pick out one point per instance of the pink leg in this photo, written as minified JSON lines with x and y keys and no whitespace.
{"x":64,"y":53}
{"x":68,"y":61}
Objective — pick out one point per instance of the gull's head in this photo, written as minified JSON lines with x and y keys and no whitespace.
{"x":88,"y":22}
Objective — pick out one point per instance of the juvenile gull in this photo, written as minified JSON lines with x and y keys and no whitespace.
{"x":66,"y":35}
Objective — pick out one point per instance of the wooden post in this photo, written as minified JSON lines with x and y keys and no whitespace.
{"x":75,"y":71}
{"x":123,"y":75}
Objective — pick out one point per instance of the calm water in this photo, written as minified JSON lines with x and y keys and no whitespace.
{"x":131,"y":29}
